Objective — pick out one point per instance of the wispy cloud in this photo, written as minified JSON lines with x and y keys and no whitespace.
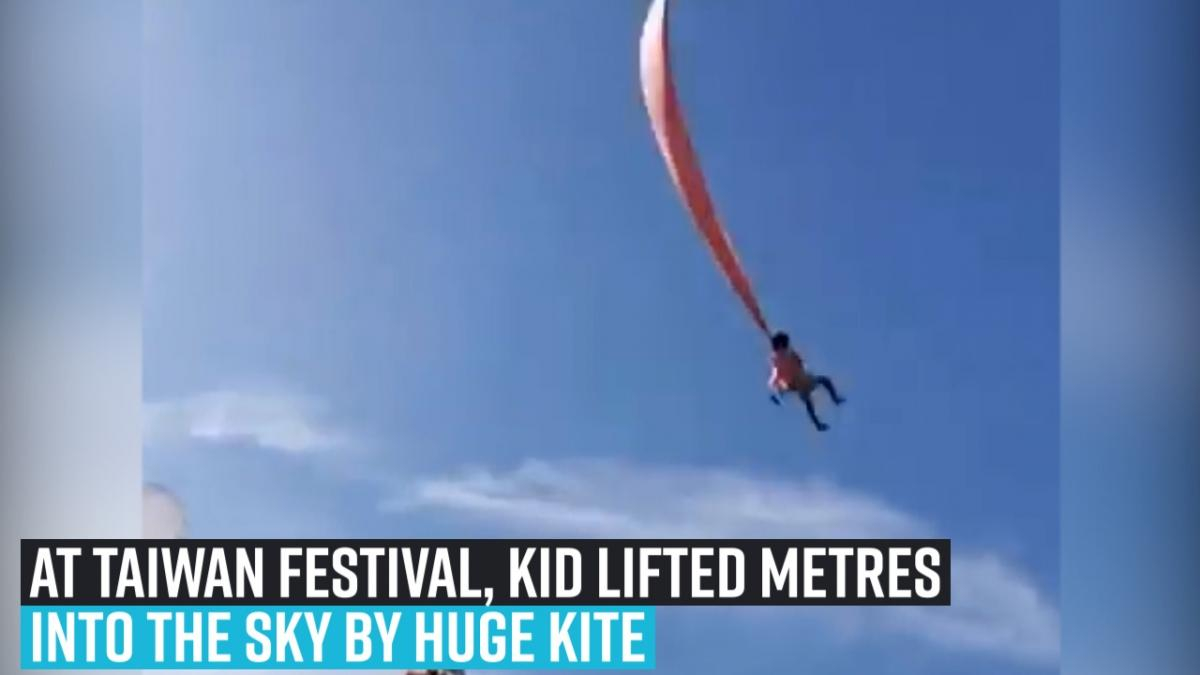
{"x":996,"y":608}
{"x":602,"y":498}
{"x":277,"y":421}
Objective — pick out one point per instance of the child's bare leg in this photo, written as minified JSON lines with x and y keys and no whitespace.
{"x":812,"y":413}
{"x":822,"y":381}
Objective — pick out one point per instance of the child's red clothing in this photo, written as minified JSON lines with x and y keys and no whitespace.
{"x":788,"y":373}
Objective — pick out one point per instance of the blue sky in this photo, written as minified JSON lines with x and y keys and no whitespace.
{"x":416,"y":268}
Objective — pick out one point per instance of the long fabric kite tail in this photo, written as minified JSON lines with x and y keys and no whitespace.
{"x":670,"y":131}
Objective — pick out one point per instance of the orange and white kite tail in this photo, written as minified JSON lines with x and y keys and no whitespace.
{"x":666,"y":118}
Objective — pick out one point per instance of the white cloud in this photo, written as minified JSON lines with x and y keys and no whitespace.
{"x":602,"y":498}
{"x":995,"y":608}
{"x":269,"y":420}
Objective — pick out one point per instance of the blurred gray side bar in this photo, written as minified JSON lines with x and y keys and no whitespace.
{"x":70,"y":273}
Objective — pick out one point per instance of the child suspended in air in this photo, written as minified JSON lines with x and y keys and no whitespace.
{"x":788,"y":374}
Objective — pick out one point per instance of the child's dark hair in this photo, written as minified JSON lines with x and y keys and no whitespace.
{"x":780,"y":340}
